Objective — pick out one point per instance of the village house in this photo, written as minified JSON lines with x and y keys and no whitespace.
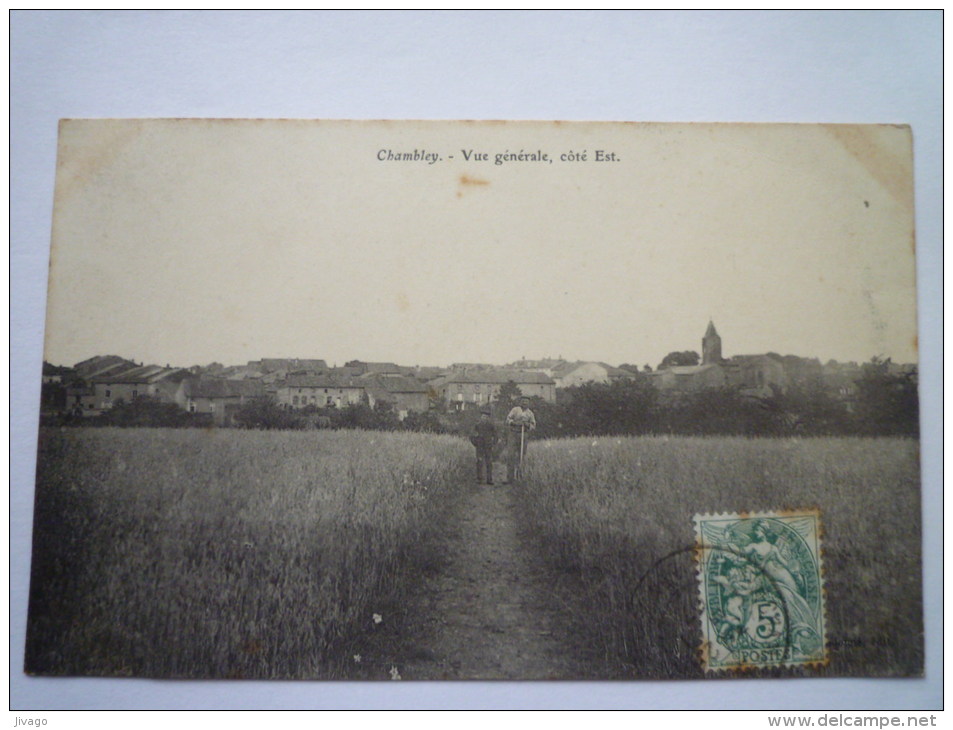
{"x":102,"y":365}
{"x":388,"y":369}
{"x":547,"y":365}
{"x":467,"y":389}
{"x":56,"y":379}
{"x":81,"y":399}
{"x":320,"y":391}
{"x":578,"y":373}
{"x":405,"y":394}
{"x":286,"y":364}
{"x":102,"y":382}
{"x":152,"y":381}
{"x":80,"y":393}
{"x":56,"y":374}
{"x":426,"y":373}
{"x":756,"y":375}
{"x":687,"y":378}
{"x":840,"y":379}
{"x":217,"y":396}
{"x":468,"y":366}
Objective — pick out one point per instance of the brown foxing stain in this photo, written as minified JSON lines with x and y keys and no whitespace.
{"x":403,"y":303}
{"x":704,"y":652}
{"x":467,"y":180}
{"x":889,"y":164}
{"x":232,"y":314}
{"x":252,"y":646}
{"x":916,"y":343}
{"x":797,"y":512}
{"x":101,"y":143}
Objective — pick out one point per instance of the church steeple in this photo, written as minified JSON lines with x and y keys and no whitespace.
{"x":711,"y":345}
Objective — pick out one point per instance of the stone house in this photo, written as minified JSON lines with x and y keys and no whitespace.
{"x":578,"y":373}
{"x":471,"y":389}
{"x":320,"y":391}
{"x":688,"y":378}
{"x":219,"y":397}
{"x":405,"y":394}
{"x":154,"y":381}
{"x":756,"y":375}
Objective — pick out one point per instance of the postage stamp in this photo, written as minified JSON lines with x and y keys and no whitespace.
{"x":761,"y":589}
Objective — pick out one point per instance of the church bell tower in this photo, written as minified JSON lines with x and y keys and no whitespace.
{"x":711,"y":346}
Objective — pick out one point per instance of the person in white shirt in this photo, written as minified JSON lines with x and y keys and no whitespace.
{"x":519,"y":422}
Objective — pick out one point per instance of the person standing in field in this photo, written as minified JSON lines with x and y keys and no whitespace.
{"x":484,"y":438}
{"x":519,"y":422}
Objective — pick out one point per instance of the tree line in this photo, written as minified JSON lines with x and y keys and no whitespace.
{"x":885,"y":404}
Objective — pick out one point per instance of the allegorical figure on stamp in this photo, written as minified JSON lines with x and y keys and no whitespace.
{"x":784,"y":573}
{"x":520,"y":421}
{"x":739,"y":584}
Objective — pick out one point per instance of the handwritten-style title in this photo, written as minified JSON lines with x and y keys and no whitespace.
{"x":522,"y":156}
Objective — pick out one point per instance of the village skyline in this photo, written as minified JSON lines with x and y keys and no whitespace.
{"x":94,"y":387}
{"x":331,"y":363}
{"x":195,"y":242}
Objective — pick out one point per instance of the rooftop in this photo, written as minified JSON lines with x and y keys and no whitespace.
{"x":139,"y":374}
{"x":498,"y":376}
{"x":222,"y":388}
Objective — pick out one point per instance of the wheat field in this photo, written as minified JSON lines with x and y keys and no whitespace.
{"x":267,"y":554}
{"x":616,"y":513}
{"x":186,"y":553}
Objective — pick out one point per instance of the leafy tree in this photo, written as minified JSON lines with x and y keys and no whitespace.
{"x":148,"y":411}
{"x":508,"y":396}
{"x":623,"y":407}
{"x":427,"y":422}
{"x":887,"y":403}
{"x":811,"y":409}
{"x":263,"y":412}
{"x":385,"y":416}
{"x":356,"y":415}
{"x":721,"y":411}
{"x":436,"y":401}
{"x":382,"y":417}
{"x":676,"y":359}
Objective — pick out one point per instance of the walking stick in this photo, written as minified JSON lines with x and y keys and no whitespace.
{"x":519,"y":469}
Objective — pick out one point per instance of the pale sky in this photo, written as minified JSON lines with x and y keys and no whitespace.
{"x":192,"y":241}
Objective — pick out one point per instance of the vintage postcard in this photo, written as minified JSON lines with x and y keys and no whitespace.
{"x":406,"y":400}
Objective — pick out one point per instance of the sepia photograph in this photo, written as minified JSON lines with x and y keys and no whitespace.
{"x":479,"y":400}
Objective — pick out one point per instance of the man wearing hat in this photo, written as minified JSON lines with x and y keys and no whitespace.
{"x":519,"y":422}
{"x":484,"y":438}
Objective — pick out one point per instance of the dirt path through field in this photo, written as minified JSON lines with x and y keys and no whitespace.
{"x":490,"y":611}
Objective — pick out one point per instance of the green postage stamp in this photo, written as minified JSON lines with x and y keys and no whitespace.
{"x":761,"y":589}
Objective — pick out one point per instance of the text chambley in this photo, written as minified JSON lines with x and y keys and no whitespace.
{"x":431,"y":157}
